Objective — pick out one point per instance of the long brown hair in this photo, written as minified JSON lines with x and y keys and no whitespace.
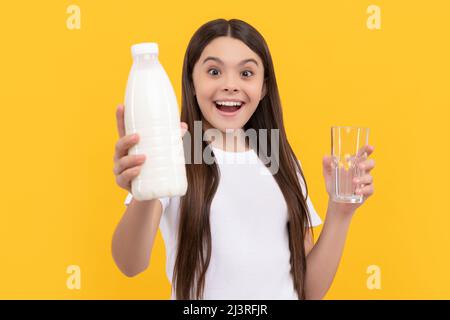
{"x":194,"y":234}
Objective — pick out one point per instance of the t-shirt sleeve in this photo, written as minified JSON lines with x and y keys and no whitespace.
{"x":164,"y":201}
{"x":314,"y":216}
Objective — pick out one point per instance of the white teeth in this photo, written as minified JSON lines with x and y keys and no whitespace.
{"x":229,"y":103}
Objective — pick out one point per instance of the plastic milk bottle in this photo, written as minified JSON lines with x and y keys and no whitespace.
{"x":151,"y":110}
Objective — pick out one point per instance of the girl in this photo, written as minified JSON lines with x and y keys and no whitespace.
{"x":236,"y":233}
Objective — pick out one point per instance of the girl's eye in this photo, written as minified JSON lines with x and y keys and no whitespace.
{"x":248,"y":71}
{"x":209,"y":71}
{"x":215,"y":72}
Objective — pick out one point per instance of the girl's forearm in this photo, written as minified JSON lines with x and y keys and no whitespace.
{"x":134,"y":236}
{"x":323,"y":259}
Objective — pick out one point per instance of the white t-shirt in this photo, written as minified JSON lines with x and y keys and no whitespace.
{"x":250,"y":257}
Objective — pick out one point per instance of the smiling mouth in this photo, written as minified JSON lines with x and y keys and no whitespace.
{"x":228,"y":109}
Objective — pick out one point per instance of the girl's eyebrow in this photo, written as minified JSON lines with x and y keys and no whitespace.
{"x":221,"y":62}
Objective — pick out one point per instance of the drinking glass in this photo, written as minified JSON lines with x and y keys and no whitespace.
{"x":347,"y":151}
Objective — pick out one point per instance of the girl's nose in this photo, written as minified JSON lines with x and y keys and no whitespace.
{"x":231,"y":89}
{"x":230,"y":84}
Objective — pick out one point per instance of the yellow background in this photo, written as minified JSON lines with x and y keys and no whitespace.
{"x":59,"y":92}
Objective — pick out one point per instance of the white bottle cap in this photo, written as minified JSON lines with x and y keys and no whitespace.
{"x":143,"y":48}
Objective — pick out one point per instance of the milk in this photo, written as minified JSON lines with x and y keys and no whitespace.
{"x":151,"y":110}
